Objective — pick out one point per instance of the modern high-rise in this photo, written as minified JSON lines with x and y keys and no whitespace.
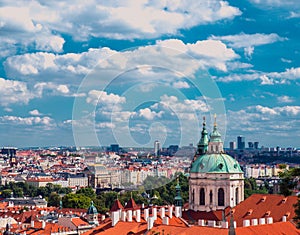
{"x":232,"y":145}
{"x":241,"y":142}
{"x":156,"y":148}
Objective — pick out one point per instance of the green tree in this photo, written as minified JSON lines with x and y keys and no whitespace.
{"x":89,"y":192}
{"x":288,"y":180}
{"x":76,"y":201}
{"x":297,"y":212}
{"x":6,"y":193}
{"x":54,"y":199}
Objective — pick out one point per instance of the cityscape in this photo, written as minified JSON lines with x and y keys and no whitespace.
{"x":149,"y":117}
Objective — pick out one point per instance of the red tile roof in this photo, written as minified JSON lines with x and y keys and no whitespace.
{"x":131,"y":204}
{"x":116,"y":206}
{"x":265,"y":205}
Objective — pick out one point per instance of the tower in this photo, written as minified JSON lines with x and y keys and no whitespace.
{"x":203,"y":142}
{"x":178,"y":198}
{"x":241,"y":142}
{"x":156,"y":148}
{"x":92,"y":214}
{"x":216,"y":180}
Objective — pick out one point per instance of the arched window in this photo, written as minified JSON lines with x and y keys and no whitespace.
{"x":220,"y":197}
{"x":210,"y":197}
{"x":236,"y":196}
{"x":193,"y":196}
{"x":202,"y":196}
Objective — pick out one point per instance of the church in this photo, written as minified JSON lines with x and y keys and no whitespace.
{"x":216,"y":180}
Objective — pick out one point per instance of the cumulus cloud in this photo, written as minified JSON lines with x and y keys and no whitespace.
{"x":102,"y":97}
{"x":170,"y":54}
{"x":243,"y":40}
{"x":35,"y":112}
{"x":285,"y":99}
{"x":115,"y":19}
{"x":149,"y":114}
{"x":12,"y":92}
{"x":27,"y":121}
{"x":270,"y":78}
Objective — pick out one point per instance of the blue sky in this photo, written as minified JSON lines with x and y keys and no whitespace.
{"x":131,"y":72}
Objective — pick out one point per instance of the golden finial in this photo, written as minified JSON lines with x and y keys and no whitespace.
{"x":215,"y":123}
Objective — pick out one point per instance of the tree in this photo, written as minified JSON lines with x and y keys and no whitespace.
{"x":54,"y":199}
{"x":6,"y":193}
{"x":288,"y":180}
{"x":89,"y":192}
{"x":297,"y":212}
{"x":76,"y":201}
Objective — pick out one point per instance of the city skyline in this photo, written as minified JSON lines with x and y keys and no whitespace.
{"x":131,"y":73}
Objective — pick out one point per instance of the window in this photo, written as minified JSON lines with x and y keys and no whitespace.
{"x":210,"y":197}
{"x":220,"y":197}
{"x":236,"y":196}
{"x":193,"y":196}
{"x":202,"y":196}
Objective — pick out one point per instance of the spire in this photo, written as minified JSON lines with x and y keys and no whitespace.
{"x":231,"y":230}
{"x":215,"y":135}
{"x":203,"y":143}
{"x":178,"y":198}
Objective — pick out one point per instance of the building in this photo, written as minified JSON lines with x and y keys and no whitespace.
{"x":156,"y":148}
{"x":232,"y":145}
{"x":241,"y":142}
{"x":216,"y":180}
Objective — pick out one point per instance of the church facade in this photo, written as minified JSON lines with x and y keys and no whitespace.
{"x":216,"y":180}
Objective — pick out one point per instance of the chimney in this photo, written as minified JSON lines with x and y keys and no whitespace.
{"x":43,"y":224}
{"x":146,"y":214}
{"x":254,"y":222}
{"x":211,"y":223}
{"x":123,"y":216}
{"x":170,"y":209}
{"x":143,"y":205}
{"x":138,"y":216}
{"x":32,"y":224}
{"x":154,"y":213}
{"x":162,"y":212}
{"x":178,"y":211}
{"x":115,"y":216}
{"x":246,"y":223}
{"x":270,"y":220}
{"x":102,"y":217}
{"x":150,"y":222}
{"x":129,"y":215}
{"x":165,"y":220}
{"x":224,"y":224}
{"x":284,"y":218}
{"x":262,"y":221}
{"x":201,"y":222}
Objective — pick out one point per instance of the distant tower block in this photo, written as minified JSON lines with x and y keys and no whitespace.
{"x":156,"y":148}
{"x":241,"y":142}
{"x":232,"y":145}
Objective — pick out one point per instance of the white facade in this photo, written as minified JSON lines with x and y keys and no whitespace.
{"x":212,"y":183}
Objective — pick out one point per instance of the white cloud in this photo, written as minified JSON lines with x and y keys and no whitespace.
{"x":12,"y":92}
{"x":117,"y":19}
{"x":180,"y":84}
{"x":270,"y":78}
{"x":285,"y":99}
{"x":35,"y":112}
{"x":249,"y":41}
{"x":171,"y":54}
{"x":104,"y":98}
{"x":28,"y":121}
{"x":149,"y":114}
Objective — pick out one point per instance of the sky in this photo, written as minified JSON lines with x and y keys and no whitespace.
{"x":94,"y":73}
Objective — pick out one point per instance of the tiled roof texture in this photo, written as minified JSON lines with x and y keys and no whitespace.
{"x":116,"y":206}
{"x":131,"y":204}
{"x":265,"y":205}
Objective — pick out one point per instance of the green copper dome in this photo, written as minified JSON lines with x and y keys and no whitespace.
{"x":215,"y":163}
{"x":92,"y":210}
